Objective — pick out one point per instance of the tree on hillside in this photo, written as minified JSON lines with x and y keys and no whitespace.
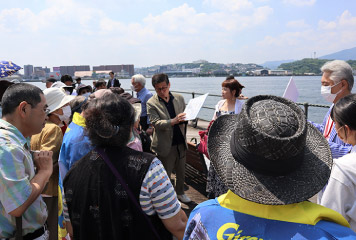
{"x":309,"y":65}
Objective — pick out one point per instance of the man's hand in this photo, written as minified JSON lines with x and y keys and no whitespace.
{"x":179,"y":118}
{"x":149,"y":131}
{"x":43,"y":161}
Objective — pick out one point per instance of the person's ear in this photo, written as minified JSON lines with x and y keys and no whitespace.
{"x":344,"y":84}
{"x":23,"y":108}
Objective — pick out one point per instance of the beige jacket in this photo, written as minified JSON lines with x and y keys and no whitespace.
{"x":160,"y":119}
{"x":49,"y":139}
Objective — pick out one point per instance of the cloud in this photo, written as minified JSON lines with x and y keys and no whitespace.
{"x":346,"y":20}
{"x":325,"y":38}
{"x":59,"y":35}
{"x":297,"y":24}
{"x":300,"y":3}
{"x":229,"y":5}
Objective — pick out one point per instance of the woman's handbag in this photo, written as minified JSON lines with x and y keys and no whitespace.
{"x":203,"y":145}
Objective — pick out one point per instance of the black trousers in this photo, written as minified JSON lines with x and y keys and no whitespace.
{"x":143,"y":123}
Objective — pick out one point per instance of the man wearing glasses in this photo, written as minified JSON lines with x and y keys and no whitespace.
{"x":165,"y":112}
{"x":24,"y":110}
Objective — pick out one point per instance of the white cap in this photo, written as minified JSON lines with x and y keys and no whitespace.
{"x":56,"y":98}
{"x":60,"y":85}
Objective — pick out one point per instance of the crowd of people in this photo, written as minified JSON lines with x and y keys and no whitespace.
{"x":94,"y":162}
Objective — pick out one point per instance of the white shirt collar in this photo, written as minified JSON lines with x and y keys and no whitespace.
{"x":353,"y":150}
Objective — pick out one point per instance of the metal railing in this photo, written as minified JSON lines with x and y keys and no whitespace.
{"x":306,"y":105}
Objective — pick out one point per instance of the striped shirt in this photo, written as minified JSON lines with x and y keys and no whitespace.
{"x":337,"y":146}
{"x":16,"y":171}
{"x":157,"y":193}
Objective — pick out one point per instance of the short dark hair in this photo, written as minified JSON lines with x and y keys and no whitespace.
{"x":78,"y":79}
{"x":233,"y":84}
{"x":158,"y":78}
{"x":80,"y":89}
{"x":112,"y":73}
{"x":109,"y":120}
{"x":344,"y":111}
{"x":52,"y":80}
{"x":100,"y":83}
{"x":17,"y":93}
{"x":230,"y":77}
{"x":117,"y":90}
{"x":66,"y":78}
{"x":4,"y":84}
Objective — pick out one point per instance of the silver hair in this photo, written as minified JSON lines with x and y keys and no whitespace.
{"x":339,"y":70}
{"x":139,"y":78}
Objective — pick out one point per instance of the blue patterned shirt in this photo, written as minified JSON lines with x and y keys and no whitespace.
{"x":144,"y":95}
{"x":337,"y":146}
{"x":16,"y":172}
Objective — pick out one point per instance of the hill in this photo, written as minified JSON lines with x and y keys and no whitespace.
{"x":275,"y":64}
{"x":309,"y":65}
{"x":347,"y":54}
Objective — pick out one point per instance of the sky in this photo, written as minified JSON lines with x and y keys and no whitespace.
{"x":149,"y":32}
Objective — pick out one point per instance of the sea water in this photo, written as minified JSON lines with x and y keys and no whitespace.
{"x":308,"y":88}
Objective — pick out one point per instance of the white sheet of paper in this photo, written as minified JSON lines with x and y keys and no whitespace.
{"x":194,"y":106}
{"x":291,"y":91}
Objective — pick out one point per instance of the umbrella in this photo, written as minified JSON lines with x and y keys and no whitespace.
{"x":8,"y":68}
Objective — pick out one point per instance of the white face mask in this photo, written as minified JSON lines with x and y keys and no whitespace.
{"x":66,"y":114}
{"x":86,"y":94}
{"x":326,"y":93}
{"x":132,"y":87}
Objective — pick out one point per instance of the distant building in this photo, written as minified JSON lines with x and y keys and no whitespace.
{"x":47,"y":70}
{"x":279,"y":72}
{"x":116,"y":68}
{"x":39,"y":72}
{"x":260,"y":72}
{"x":70,"y":70}
{"x":28,"y":71}
{"x":163,"y":69}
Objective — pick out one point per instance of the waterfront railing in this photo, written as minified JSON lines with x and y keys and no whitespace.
{"x":306,"y":105}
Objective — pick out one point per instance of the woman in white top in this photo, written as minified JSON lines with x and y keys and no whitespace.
{"x":230,"y":104}
{"x":340,"y":193}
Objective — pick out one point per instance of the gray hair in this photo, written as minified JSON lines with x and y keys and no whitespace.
{"x":139,"y":78}
{"x":339,"y":70}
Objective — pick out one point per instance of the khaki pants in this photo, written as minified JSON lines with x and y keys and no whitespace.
{"x":176,"y":160}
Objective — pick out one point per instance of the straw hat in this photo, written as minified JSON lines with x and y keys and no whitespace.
{"x":56,"y":98}
{"x":269,"y":153}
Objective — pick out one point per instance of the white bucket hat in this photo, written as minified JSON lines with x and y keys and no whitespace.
{"x":56,"y":98}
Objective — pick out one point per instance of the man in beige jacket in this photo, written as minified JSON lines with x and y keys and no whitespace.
{"x":165,"y":112}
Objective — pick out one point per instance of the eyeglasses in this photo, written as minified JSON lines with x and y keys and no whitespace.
{"x":161,"y":89}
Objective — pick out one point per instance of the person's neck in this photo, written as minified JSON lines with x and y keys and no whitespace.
{"x":231,"y":100}
{"x":341,"y":95}
{"x":54,"y":119}
{"x":165,"y":98}
{"x":17,"y":123}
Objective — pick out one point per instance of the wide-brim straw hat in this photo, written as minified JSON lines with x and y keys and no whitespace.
{"x":56,"y":98}
{"x":269,"y":153}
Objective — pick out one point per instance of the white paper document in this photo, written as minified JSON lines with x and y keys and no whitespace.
{"x":194,"y":106}
{"x":291,"y":91}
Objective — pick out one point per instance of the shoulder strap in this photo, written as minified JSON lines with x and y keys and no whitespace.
{"x":127,"y":189}
{"x":18,"y":235}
